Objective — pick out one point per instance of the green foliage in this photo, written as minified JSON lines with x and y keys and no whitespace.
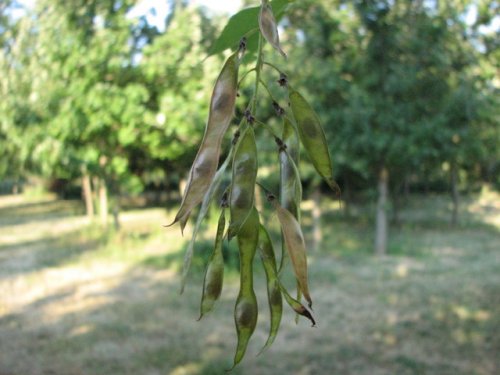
{"x":400,"y":83}
{"x":245,"y":23}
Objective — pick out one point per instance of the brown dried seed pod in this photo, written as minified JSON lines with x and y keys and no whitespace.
{"x":295,"y":245}
{"x":268,"y":26}
{"x":207,"y":158}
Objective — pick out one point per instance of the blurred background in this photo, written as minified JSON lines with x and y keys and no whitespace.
{"x":103,"y":104}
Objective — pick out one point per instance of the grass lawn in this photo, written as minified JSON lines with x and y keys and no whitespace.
{"x":78,"y":300}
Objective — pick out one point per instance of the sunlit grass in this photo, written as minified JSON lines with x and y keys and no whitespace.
{"x":94,"y":301}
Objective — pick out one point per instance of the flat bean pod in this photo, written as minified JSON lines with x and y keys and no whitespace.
{"x":246,"y":310}
{"x":207,"y":199}
{"x":268,"y":26}
{"x":214,"y":275}
{"x":266,"y":252}
{"x":290,"y":184}
{"x":267,"y":256}
{"x":295,"y":245}
{"x":312,"y":137}
{"x":206,"y":160}
{"x":241,"y":200}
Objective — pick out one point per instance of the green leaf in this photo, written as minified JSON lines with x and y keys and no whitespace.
{"x":241,"y":24}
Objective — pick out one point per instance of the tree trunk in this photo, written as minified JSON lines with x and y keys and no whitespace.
{"x":454,"y":193}
{"x":95,"y":191}
{"x":87,"y":195}
{"x":381,"y":218}
{"x":316,"y":219}
{"x":103,"y":202}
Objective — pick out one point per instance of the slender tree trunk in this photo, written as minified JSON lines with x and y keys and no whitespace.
{"x":95,"y":189}
{"x":381,"y":217}
{"x":316,"y":219}
{"x":87,"y":195}
{"x":103,"y":202}
{"x":454,"y":193}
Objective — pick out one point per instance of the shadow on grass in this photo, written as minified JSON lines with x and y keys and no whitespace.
{"x":33,"y":255}
{"x":24,"y":213}
{"x":439,"y":320}
{"x":202,"y":251}
{"x":142,"y":326}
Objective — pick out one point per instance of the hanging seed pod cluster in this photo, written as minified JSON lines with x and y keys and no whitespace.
{"x":301,"y":126}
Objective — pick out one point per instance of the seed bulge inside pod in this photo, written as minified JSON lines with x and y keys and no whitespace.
{"x":246,"y":314}
{"x":309,"y":128}
{"x":222,"y":101}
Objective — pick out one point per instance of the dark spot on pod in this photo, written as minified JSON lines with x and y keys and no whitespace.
{"x":221,"y":102}
{"x":309,"y":127}
{"x":242,"y":200}
{"x":244,"y":166}
{"x":275,"y":297}
{"x":246,"y":314}
{"x":214,"y":287}
{"x":203,"y":168}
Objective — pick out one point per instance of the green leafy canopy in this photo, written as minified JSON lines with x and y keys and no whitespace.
{"x":245,"y":23}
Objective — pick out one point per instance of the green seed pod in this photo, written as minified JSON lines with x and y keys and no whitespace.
{"x":207,"y":158}
{"x":295,"y":245}
{"x":267,"y":256}
{"x":312,"y":137}
{"x":207,"y":200}
{"x":266,"y":252}
{"x":268,"y":26}
{"x":241,"y":200}
{"x":245,"y":310}
{"x":290,"y":184}
{"x":214,"y":275}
